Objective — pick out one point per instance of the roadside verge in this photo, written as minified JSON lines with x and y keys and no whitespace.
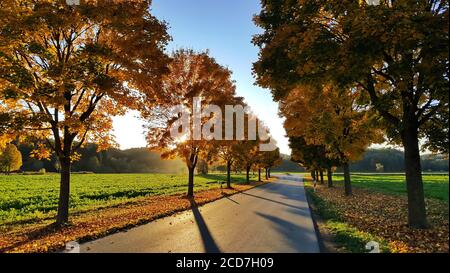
{"x":348,"y":223}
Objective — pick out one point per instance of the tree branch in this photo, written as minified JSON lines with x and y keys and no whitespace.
{"x":83,"y":138}
{"x":430,"y":114}
{"x":376,"y":102}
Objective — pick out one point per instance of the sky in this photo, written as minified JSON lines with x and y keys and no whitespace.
{"x":225,"y":28}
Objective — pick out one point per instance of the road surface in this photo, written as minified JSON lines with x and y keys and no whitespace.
{"x":270,"y":218}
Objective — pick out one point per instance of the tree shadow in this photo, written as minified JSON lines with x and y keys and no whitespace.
{"x":209,"y":244}
{"x":302,"y":240}
{"x":288,"y":189}
{"x":273,"y":201}
{"x":234,"y":201}
{"x":221,"y":178}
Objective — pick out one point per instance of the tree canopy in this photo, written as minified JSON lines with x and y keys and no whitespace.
{"x":395,"y":52}
{"x":66,"y":70}
{"x":191,"y":76}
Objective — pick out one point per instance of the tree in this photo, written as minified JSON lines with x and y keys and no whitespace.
{"x":191,"y":75}
{"x":202,"y":167}
{"x":68,"y":69}
{"x":331,"y":116}
{"x":259,"y":163}
{"x":312,"y":156}
{"x":225,"y":152}
{"x":247,"y":155}
{"x":287,"y":165}
{"x":237,"y":152}
{"x":270,"y":159}
{"x":8,"y":125}
{"x":10,"y":159}
{"x":396,"y":52}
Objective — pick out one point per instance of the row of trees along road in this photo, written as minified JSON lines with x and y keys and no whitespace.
{"x":65,"y":71}
{"x":324,"y":115}
{"x":389,"y":60}
{"x":197,"y":75}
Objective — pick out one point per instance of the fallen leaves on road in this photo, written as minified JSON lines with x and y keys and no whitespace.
{"x":386,"y":216}
{"x":44,"y":237}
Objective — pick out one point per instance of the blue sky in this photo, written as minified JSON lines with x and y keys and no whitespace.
{"x":225,"y":28}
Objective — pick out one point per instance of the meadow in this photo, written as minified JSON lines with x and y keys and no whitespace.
{"x":435,"y":185}
{"x":24,"y":198}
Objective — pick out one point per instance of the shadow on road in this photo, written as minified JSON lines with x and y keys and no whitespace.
{"x":234,"y":201}
{"x":209,"y":244}
{"x":270,"y":200}
{"x":288,"y":189}
{"x":294,"y":234}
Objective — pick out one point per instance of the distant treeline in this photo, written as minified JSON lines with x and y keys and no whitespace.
{"x":380,"y":160}
{"x":136,"y":160}
{"x":287,"y":165}
{"x":392,"y":160}
{"x":141,"y":160}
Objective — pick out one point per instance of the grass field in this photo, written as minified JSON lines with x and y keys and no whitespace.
{"x":30,"y":197}
{"x":435,"y":185}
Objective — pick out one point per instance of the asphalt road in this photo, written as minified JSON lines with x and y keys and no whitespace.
{"x":271,"y":218}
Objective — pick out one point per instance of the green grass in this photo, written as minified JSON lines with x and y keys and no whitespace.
{"x":352,"y":239}
{"x":30,"y":197}
{"x":435,"y":185}
{"x":345,"y":236}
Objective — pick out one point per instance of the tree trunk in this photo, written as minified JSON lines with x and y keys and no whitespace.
{"x":330,"y":177}
{"x":414,"y":184}
{"x":64,"y":191}
{"x":313,"y":175}
{"x":321,"y":177}
{"x":267,"y":173}
{"x":259,"y":174}
{"x":229,"y":174}
{"x":191,"y":182}
{"x":247,"y":177}
{"x":347,"y":181}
